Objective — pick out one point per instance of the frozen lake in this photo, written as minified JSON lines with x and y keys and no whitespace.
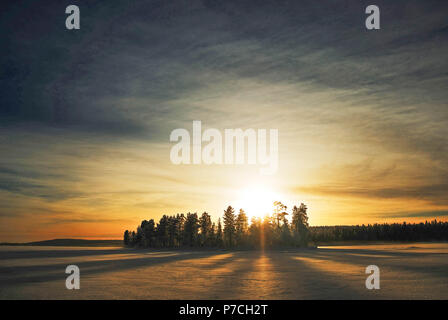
{"x":407,"y":271}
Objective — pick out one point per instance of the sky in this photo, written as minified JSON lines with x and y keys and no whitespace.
{"x":86,"y":115}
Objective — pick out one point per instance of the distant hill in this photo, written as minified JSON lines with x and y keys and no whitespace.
{"x":70,"y":243}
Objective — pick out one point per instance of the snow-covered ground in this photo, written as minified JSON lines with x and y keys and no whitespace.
{"x":407,"y":271}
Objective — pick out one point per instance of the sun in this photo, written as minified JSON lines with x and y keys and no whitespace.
{"x":257,"y":201}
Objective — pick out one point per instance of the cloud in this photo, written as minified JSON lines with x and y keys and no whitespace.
{"x":418,"y":214}
{"x":121,"y":73}
{"x":85,"y":116}
{"x":435,"y":194}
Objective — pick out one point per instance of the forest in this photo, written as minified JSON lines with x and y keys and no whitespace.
{"x":233,"y":230}
{"x":274,"y":230}
{"x":427,"y":231}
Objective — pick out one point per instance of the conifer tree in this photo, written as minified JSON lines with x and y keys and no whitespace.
{"x":229,"y":227}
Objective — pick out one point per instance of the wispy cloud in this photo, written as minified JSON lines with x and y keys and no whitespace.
{"x":435,"y":194}
{"x":85,"y":116}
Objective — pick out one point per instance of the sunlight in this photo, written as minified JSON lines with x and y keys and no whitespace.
{"x":257,"y":201}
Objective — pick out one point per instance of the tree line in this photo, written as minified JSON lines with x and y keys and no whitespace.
{"x":232,"y":231}
{"x":428,"y":231}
